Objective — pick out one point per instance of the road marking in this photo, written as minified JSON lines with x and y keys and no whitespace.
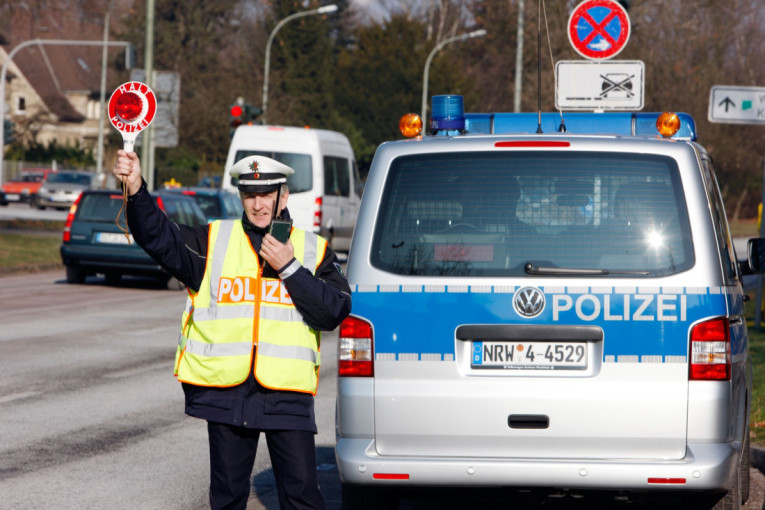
{"x":18,"y":396}
{"x":136,"y":371}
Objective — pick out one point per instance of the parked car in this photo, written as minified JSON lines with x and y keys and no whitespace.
{"x":215,"y":203}
{"x":24,"y":187}
{"x":93,"y":243}
{"x":211,"y":181}
{"x":61,"y":189}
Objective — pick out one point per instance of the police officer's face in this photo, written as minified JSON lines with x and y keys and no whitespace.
{"x":260,"y":206}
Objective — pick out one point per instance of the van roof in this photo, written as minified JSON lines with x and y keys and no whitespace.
{"x":292,"y":132}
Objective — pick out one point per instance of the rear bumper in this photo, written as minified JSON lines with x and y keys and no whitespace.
{"x":63,"y":203}
{"x":17,"y":197}
{"x":101,"y":261}
{"x":706,"y":467}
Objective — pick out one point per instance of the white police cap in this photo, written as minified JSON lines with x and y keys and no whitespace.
{"x":259,"y":174}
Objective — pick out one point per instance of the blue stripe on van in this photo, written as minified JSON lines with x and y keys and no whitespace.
{"x":640,"y":324}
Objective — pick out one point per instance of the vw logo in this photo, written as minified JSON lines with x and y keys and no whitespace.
{"x":528,"y":302}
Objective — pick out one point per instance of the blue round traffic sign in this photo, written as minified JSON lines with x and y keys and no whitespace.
{"x":599,"y":29}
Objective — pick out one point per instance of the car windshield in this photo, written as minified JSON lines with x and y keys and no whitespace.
{"x":538,"y":213}
{"x":300,"y":181}
{"x":29,"y":178}
{"x":69,"y":178}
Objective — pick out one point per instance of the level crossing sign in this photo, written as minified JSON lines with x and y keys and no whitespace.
{"x":599,"y":29}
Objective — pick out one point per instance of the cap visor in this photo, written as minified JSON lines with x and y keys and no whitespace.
{"x":262,"y":188}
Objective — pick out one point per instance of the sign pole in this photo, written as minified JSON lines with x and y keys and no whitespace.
{"x":758,"y":314}
{"x":735,"y":104}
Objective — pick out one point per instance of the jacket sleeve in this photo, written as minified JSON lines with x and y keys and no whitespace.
{"x":180,"y":249}
{"x":323,"y":300}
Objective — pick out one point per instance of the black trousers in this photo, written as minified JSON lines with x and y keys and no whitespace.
{"x":232,"y":457}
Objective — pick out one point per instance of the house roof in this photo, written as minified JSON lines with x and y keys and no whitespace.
{"x":55,"y":70}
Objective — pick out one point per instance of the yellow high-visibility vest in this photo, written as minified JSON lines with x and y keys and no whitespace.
{"x":236,"y":308}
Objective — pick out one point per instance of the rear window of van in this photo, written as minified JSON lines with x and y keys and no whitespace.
{"x":511,"y":214}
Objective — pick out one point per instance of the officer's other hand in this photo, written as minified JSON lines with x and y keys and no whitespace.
{"x":127,"y":169}
{"x":275,"y":253}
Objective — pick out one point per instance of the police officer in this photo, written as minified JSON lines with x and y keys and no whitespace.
{"x":248,"y":353}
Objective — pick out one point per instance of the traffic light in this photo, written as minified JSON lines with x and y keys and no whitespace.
{"x":7,"y":131}
{"x":251,"y":112}
{"x":242,"y":113}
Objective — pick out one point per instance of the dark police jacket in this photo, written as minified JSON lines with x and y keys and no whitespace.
{"x":324,"y":300}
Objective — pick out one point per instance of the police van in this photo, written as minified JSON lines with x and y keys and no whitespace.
{"x":545,"y":301}
{"x":325,"y":190}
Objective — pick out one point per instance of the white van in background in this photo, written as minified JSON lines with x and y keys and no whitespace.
{"x":325,"y":190}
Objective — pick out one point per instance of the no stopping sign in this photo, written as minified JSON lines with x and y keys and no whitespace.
{"x":599,"y":29}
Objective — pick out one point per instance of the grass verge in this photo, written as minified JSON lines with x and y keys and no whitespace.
{"x":29,"y":245}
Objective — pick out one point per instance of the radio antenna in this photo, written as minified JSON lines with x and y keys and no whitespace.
{"x":539,"y":68}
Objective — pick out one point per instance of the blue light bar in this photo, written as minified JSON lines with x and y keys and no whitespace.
{"x":448,"y":114}
{"x":607,"y":123}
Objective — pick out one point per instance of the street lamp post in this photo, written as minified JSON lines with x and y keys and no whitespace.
{"x":462,"y":37}
{"x":326,"y":9}
{"x":12,"y":53}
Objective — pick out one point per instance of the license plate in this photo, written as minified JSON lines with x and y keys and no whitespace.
{"x":530,"y":355}
{"x":112,"y":238}
{"x":13,"y":196}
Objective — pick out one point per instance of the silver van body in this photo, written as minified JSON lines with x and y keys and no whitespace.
{"x":325,"y":190}
{"x":534,"y":307}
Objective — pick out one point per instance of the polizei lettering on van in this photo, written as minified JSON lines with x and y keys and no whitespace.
{"x":242,"y":289}
{"x":637,"y":321}
{"x":629,"y":307}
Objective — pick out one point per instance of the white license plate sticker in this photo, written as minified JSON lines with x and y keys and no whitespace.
{"x":530,"y":355}
{"x":13,"y":196}
{"x":112,"y":238}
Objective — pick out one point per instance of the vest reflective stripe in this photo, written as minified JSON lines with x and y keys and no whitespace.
{"x":243,"y":349}
{"x":289,"y":352}
{"x":228,"y":349}
{"x":239,"y":312}
{"x":220,"y":321}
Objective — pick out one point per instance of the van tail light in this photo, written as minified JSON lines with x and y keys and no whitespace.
{"x":354,"y":348}
{"x":69,"y":219}
{"x":317,"y":214}
{"x":710,"y":351}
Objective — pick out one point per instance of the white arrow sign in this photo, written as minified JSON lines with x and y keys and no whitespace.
{"x":737,"y":105}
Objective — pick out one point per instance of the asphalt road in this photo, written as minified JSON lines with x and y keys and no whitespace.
{"x":24,"y":211}
{"x":91,"y":416}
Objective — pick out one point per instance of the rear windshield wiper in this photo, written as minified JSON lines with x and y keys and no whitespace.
{"x":532,"y":269}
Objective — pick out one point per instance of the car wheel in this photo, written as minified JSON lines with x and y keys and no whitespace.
{"x":75,"y":274}
{"x":33,"y":202}
{"x":113,"y":278}
{"x":732,"y":499}
{"x":356,"y":497}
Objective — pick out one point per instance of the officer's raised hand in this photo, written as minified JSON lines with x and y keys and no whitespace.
{"x":127,"y":169}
